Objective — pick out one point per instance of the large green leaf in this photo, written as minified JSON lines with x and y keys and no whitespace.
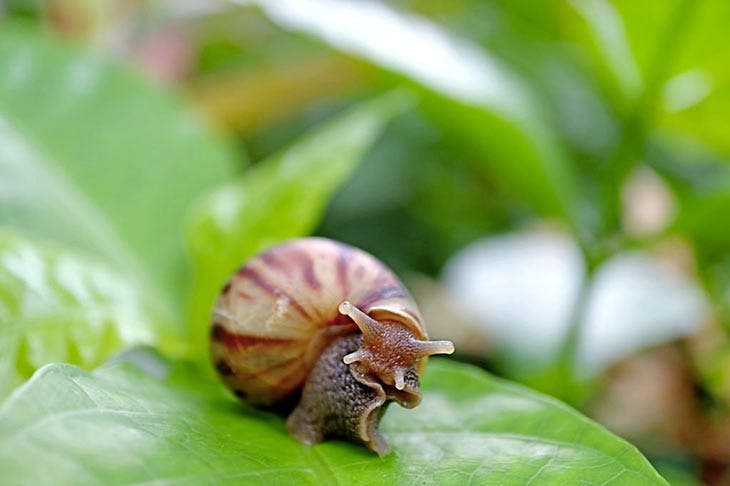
{"x":105,"y":142}
{"x":37,"y":198}
{"x":474,"y":95}
{"x":59,"y":306}
{"x":121,"y":425}
{"x":282,"y":197}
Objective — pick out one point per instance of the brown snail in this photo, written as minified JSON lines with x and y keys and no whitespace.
{"x":328,"y":324}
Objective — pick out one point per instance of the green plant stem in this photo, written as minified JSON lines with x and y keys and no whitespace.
{"x":633,"y":141}
{"x":636,"y":129}
{"x":640,"y":120}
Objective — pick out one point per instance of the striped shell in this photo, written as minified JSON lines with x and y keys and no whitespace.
{"x":280,"y":310}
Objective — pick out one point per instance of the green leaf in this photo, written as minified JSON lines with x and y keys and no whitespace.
{"x":699,"y":219}
{"x":40,"y":200}
{"x":609,"y":45}
{"x":676,"y":43}
{"x":697,"y":97}
{"x":106,"y":143}
{"x":473,"y":94}
{"x":59,"y":306}
{"x":700,"y":179}
{"x":121,"y":425}
{"x":282,"y":197}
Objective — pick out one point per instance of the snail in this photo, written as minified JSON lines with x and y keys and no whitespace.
{"x":326,"y":324}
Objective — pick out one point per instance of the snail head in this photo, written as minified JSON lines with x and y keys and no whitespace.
{"x":389,"y":352}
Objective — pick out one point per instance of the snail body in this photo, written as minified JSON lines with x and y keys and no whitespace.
{"x":329,"y":324}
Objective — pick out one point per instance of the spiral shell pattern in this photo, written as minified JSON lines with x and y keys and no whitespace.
{"x":279,"y":311}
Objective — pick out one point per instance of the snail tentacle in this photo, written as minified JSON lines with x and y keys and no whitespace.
{"x":352,"y":357}
{"x":368,"y":326}
{"x":428,"y":348}
{"x":400,"y":378}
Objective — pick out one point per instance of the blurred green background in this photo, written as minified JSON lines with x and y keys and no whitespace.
{"x":553,"y":185}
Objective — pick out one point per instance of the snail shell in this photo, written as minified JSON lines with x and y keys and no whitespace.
{"x":316,"y":304}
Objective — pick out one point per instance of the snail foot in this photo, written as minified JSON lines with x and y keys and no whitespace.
{"x":335,"y":404}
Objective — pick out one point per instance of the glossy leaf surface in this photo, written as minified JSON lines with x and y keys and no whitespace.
{"x":121,"y":424}
{"x":149,"y":157}
{"x":57,"y":305}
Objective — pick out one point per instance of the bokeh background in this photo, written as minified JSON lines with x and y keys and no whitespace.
{"x":554,"y":189}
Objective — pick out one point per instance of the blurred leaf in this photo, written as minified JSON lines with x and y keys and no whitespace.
{"x":690,"y":168}
{"x":697,"y":97}
{"x":128,"y":151}
{"x":695,"y":86}
{"x":700,"y":178}
{"x":678,"y":476}
{"x":251,"y":75}
{"x":282,"y":197}
{"x":643,"y":23}
{"x":251,"y":98}
{"x":24,"y":8}
{"x":121,"y":425}
{"x":699,"y":219}
{"x":36,"y":197}
{"x":610,"y":47}
{"x":59,"y":306}
{"x":474,"y":95}
{"x":640,"y":42}
{"x":530,"y":38}
{"x":421,"y":189}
